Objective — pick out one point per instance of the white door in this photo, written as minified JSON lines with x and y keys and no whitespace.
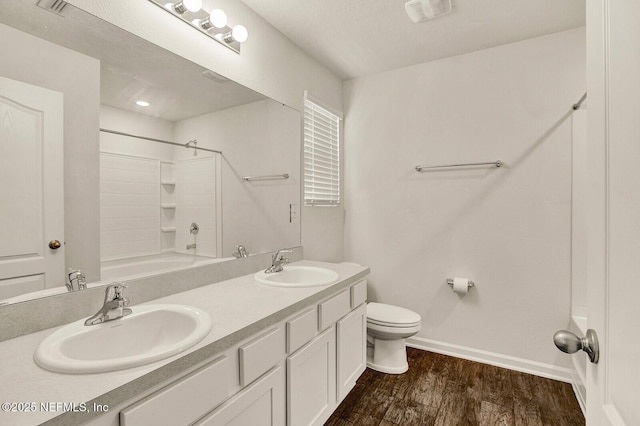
{"x":31,"y":176}
{"x":613,"y":213}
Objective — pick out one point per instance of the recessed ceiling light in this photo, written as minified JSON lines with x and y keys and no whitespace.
{"x":143,"y":103}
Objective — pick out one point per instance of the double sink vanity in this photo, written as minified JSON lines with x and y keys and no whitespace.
{"x":263,"y":348}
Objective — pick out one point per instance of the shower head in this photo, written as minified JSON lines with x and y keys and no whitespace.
{"x":188,"y":144}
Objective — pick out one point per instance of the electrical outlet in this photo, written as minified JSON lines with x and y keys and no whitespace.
{"x":294,"y":213}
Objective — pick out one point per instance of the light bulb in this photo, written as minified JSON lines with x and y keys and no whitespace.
{"x":240,"y":33}
{"x":143,"y":103}
{"x":192,"y":5}
{"x":218,"y":18}
{"x":184,"y":5}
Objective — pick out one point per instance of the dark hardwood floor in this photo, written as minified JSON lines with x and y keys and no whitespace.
{"x":446,"y":391}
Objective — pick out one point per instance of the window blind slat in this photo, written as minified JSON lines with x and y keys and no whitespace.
{"x":321,"y":156}
{"x":331,"y":161}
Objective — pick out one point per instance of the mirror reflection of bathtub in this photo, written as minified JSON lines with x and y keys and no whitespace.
{"x":131,"y":269}
{"x":144,"y":266}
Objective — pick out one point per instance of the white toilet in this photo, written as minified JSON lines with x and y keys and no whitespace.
{"x":387,"y":327}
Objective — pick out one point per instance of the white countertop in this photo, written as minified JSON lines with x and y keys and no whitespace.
{"x":233,"y":305}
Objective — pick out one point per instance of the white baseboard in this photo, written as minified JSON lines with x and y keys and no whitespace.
{"x":518,"y":364}
{"x":581,"y":397}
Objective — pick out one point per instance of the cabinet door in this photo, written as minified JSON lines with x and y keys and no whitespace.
{"x":261,"y":404}
{"x":311,"y":381}
{"x":352,"y":349}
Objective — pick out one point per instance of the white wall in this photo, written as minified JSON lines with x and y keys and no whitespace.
{"x":77,"y":77}
{"x":260,"y":138}
{"x":508,"y":229}
{"x":136,"y":124}
{"x":269,"y":63}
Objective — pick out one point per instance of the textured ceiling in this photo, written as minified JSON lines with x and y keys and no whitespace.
{"x":354,"y":38}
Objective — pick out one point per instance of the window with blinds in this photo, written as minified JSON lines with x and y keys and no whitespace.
{"x":321,"y":156}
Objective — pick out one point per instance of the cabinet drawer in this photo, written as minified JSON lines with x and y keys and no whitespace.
{"x":358,"y":294}
{"x":260,"y":354}
{"x":333,"y":309}
{"x":301,"y":329}
{"x":183,"y":402}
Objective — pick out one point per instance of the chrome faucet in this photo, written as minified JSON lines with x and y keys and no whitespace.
{"x":242,"y":252}
{"x":113,"y":307}
{"x":277,"y":261}
{"x":76,"y":280}
{"x":191,"y":246}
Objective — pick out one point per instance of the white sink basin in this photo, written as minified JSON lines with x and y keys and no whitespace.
{"x":150,"y":333}
{"x":298,"y":276}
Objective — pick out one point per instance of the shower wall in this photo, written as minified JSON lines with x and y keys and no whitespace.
{"x":508,"y":229}
{"x":150,"y":193}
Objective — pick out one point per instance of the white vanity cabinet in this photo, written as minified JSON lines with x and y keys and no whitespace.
{"x":295,"y":372}
{"x":321,"y":373}
{"x":243,"y":386}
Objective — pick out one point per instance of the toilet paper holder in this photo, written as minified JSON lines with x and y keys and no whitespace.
{"x":450,"y":282}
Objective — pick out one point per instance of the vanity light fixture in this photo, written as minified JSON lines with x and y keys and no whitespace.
{"x":184,"y":5}
{"x":217,"y":19}
{"x":239,"y":33}
{"x":214,"y":23}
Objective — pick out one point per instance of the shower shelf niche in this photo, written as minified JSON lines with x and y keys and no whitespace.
{"x":167,"y":206}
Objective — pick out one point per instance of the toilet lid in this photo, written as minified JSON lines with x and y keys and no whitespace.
{"x":379,"y":313}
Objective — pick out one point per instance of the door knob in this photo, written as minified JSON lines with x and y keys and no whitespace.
{"x":54,"y":244}
{"x":569,"y":343}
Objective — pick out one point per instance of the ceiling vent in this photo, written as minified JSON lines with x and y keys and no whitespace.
{"x":426,"y":10}
{"x":55,"y":6}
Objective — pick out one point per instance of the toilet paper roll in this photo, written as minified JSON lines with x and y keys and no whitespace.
{"x":460,"y":285}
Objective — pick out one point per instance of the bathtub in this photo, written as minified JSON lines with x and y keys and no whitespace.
{"x":128,"y":269}
{"x":137,"y":267}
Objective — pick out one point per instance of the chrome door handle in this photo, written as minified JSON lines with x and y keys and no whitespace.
{"x":569,"y":343}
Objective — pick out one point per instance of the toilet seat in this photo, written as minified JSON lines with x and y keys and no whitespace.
{"x":391,"y":316}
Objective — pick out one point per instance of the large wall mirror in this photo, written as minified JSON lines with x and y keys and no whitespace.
{"x":89,"y":180}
